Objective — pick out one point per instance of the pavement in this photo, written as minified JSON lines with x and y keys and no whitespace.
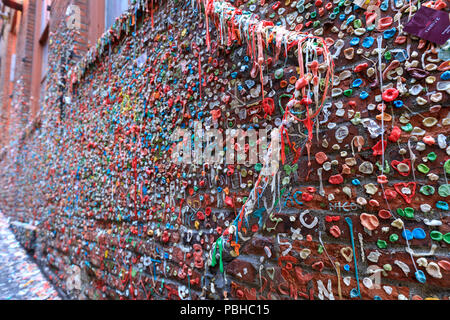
{"x":20,"y":277}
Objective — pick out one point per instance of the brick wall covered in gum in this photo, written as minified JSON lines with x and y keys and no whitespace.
{"x":96,"y":176}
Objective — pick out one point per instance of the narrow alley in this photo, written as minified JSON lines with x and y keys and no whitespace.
{"x":20,"y":277}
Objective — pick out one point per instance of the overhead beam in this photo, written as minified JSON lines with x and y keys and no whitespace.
{"x":15,"y":4}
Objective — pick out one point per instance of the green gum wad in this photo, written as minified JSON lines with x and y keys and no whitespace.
{"x":348,"y":92}
{"x":393,"y":237}
{"x":387,"y":168}
{"x":388,"y":55}
{"x":436,"y":235}
{"x":447,"y":166}
{"x":407,"y":128}
{"x":387,"y":267}
{"x":432,"y":156}
{"x":382,"y":244}
{"x":444,"y":190}
{"x":400,"y":212}
{"x":447,"y":238}
{"x":423,"y":168}
{"x":409,"y":212}
{"x":427,"y":190}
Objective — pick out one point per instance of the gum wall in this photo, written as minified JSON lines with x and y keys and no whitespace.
{"x":359,"y":208}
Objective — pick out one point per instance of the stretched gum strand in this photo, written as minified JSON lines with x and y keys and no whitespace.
{"x":350,"y":225}
{"x":251,"y":48}
{"x":338,"y":270}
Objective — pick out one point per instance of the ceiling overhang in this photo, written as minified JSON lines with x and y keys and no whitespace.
{"x":15,"y":4}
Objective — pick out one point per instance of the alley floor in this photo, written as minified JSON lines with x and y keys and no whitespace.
{"x":20,"y":277}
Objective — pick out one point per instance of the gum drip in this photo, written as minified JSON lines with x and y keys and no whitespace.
{"x":221,"y":8}
{"x":417,"y":273}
